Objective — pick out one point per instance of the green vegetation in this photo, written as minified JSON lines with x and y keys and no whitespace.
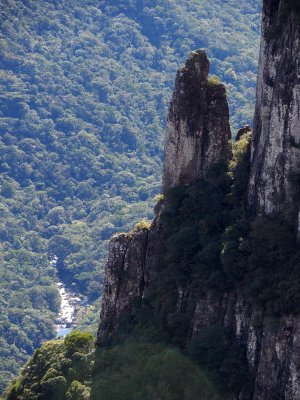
{"x":148,"y":372}
{"x":273,"y":276}
{"x":221,"y":356}
{"x":28,"y":302}
{"x":159,"y":198}
{"x":84,"y":90}
{"x":211,"y":242}
{"x":143,"y":224}
{"x":260,"y":256}
{"x":62,"y":370}
{"x":263,"y":259}
{"x":213,"y":80}
{"x":58,"y":370}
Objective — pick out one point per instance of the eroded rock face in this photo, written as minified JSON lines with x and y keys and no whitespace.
{"x":272,"y":344}
{"x":198,"y":127}
{"x":124,"y":280}
{"x":275,"y":169}
{"x":131,"y":267}
{"x":197,"y":137}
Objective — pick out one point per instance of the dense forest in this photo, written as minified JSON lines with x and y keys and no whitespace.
{"x":84,"y":93}
{"x":63,"y":369}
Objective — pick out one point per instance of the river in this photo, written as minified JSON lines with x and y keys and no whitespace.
{"x":71,"y":305}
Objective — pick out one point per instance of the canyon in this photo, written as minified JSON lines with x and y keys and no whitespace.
{"x":214,"y":278}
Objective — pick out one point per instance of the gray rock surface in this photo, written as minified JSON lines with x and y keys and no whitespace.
{"x":198,"y":127}
{"x":124,"y":280}
{"x":273,"y":345}
{"x":275,"y":169}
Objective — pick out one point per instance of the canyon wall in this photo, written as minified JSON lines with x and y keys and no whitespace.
{"x":275,"y":172}
{"x":197,"y":137}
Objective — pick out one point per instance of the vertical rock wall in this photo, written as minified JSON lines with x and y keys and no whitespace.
{"x":275,"y":169}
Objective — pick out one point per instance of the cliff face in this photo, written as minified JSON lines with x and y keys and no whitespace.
{"x":272,"y":346}
{"x":275,"y":172}
{"x":197,"y":138}
{"x":130,"y":268}
{"x":198,"y":124}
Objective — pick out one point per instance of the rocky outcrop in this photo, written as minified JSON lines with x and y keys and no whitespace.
{"x":198,"y":127}
{"x":124,"y":280}
{"x":131,"y":266}
{"x":275,"y":169}
{"x":197,"y":137}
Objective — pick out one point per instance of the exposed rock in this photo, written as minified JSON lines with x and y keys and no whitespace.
{"x":273,"y":344}
{"x":272,"y":347}
{"x":198,"y":127}
{"x":197,"y":137}
{"x":275,"y":169}
{"x":124,"y":280}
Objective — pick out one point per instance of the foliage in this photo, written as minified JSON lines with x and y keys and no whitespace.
{"x":148,"y":371}
{"x":195,"y":218}
{"x":260,"y":256}
{"x":159,"y":198}
{"x":78,"y":341}
{"x":141,"y":225}
{"x":214,"y":80}
{"x":29,"y":303}
{"x":210,"y":246}
{"x":77,"y":391}
{"x":84,"y":90}
{"x":222,"y":357}
{"x":129,"y":371}
{"x":234,"y":239}
{"x":273,"y":278}
{"x":58,"y":370}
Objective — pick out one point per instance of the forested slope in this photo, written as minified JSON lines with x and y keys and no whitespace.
{"x":84,"y":93}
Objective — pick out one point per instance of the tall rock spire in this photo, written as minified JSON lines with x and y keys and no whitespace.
{"x":198,"y":127}
{"x":275,"y":169}
{"x":197,"y":137}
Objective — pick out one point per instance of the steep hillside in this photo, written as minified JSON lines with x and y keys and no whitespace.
{"x":84,"y":92}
